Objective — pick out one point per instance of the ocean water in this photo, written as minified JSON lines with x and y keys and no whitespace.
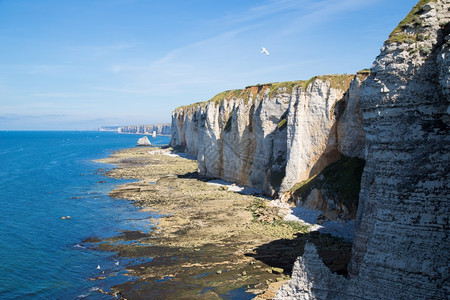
{"x":43,"y":177}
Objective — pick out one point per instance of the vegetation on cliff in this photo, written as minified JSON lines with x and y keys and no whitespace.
{"x":337,"y":81}
{"x":340,"y":181}
{"x":412,"y":20}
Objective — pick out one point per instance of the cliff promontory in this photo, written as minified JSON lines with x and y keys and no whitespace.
{"x":401,"y":245}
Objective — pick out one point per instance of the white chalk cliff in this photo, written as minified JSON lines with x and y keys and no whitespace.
{"x":401,"y":245}
{"x":274,"y":135}
{"x":163,"y":128}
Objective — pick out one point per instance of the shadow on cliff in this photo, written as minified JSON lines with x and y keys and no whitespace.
{"x":418,"y":92}
{"x":190,"y":175}
{"x":334,"y":252}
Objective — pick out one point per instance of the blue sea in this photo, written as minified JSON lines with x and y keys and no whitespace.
{"x":48,"y":175}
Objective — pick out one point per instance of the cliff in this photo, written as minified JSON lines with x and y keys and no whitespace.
{"x":272,"y":136}
{"x":146,"y":129}
{"x":401,"y":245}
{"x":108,"y":128}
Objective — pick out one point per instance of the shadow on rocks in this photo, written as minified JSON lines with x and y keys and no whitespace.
{"x":334,"y":252}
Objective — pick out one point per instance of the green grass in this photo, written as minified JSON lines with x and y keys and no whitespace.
{"x":260,"y":208}
{"x":282,"y":124}
{"x":283,"y":121}
{"x":411,"y":19}
{"x":289,"y":85}
{"x":297,"y":226}
{"x":336,"y":81}
{"x":225,"y":95}
{"x":340,"y":82}
{"x":304,"y":185}
{"x":340,"y":181}
{"x":363,"y":72}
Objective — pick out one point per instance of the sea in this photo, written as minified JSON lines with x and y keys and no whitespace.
{"x":45,"y":176}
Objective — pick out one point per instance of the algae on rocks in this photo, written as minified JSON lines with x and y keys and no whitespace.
{"x":206,"y":238}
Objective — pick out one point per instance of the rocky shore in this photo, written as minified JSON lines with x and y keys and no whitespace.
{"x":209,"y":242}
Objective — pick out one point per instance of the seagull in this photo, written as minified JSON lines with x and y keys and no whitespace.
{"x":116,"y":262}
{"x":98,"y":267}
{"x":264,"y":50}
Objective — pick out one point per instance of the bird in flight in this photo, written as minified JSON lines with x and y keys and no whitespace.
{"x":264,"y":50}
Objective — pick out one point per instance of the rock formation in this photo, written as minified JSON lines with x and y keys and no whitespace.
{"x":401,"y":245}
{"x":146,"y":129}
{"x":315,"y":137}
{"x":144,"y":141}
{"x":273,"y":135}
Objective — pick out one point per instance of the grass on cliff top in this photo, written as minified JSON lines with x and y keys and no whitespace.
{"x":365,"y":71}
{"x":337,"y":81}
{"x":412,"y":18}
{"x":288,"y":85}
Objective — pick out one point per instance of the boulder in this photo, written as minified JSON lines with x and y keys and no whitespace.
{"x":144,"y":141}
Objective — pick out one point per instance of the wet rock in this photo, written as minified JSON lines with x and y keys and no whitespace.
{"x":276,"y":270}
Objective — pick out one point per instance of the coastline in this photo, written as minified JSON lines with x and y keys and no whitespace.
{"x":140,"y":133}
{"x":209,"y":242}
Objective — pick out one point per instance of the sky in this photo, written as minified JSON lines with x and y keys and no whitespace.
{"x":82,"y":64}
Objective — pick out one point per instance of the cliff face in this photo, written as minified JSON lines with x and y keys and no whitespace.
{"x":323,"y":122}
{"x":236,"y":136}
{"x":401,"y":241}
{"x":146,"y":129}
{"x":272,"y":136}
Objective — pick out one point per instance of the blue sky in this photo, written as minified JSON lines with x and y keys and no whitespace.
{"x":81,"y":64}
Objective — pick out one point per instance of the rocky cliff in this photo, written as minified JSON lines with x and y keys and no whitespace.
{"x":401,"y":245}
{"x":272,"y":136}
{"x":146,"y":129}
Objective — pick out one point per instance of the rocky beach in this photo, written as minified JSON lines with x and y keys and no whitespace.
{"x":210,"y":241}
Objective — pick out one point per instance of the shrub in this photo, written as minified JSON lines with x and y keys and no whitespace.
{"x":425,"y":51}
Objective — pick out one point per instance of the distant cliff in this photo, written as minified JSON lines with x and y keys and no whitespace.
{"x":146,"y":129}
{"x":401,"y":245}
{"x":108,"y":128}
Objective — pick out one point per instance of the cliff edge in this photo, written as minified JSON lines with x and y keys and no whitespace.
{"x":401,"y":245}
